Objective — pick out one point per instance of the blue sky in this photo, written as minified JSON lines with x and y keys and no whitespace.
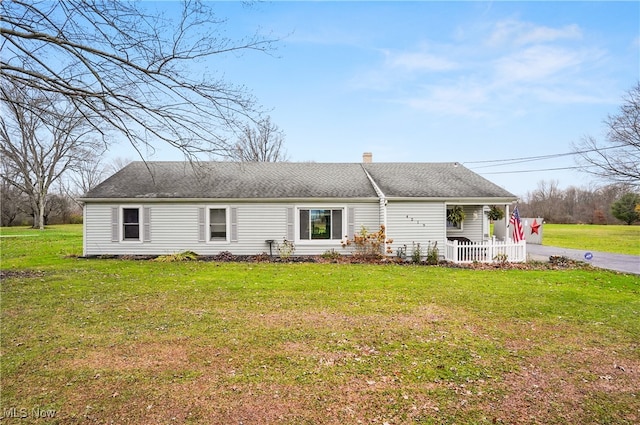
{"x":439,"y":81}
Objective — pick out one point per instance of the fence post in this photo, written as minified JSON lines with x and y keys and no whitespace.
{"x":492,"y":251}
{"x":455,"y":250}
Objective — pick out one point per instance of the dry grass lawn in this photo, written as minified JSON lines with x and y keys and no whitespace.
{"x":141,"y":342}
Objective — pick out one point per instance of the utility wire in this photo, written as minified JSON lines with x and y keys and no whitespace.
{"x":518,"y":161}
{"x":535,"y":158}
{"x":532,"y":171}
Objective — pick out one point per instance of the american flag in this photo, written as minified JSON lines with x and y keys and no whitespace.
{"x":517,"y":234}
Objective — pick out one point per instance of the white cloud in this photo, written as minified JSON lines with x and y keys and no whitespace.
{"x":464,"y":99}
{"x":419,"y":61}
{"x":559,"y":95}
{"x":400,"y":68}
{"x":512,"y":32}
{"x":506,"y":69}
{"x":537,"y":63}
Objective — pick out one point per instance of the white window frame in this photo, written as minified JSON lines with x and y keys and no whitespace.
{"x":121,"y":223}
{"x":227,"y":218}
{"x":332,"y":207}
{"x":446,"y":221}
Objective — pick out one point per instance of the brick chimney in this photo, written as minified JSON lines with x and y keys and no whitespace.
{"x":367,"y":157}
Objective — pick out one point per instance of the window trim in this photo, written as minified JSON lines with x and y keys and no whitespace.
{"x":448,"y":228}
{"x":121,"y":223}
{"x":331,"y":207}
{"x":227,"y":218}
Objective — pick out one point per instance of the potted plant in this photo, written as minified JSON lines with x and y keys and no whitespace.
{"x":495,"y":213}
{"x":456,"y":215}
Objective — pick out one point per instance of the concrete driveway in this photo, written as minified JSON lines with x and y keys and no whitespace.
{"x":618,"y":262}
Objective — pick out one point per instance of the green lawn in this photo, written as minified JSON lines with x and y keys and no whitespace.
{"x":604,"y":238}
{"x":142,"y":342}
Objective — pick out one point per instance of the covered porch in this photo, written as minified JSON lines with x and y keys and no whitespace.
{"x":489,"y":251}
{"x":473,"y":241}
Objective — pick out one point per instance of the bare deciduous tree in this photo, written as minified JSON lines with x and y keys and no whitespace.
{"x":130,"y":69}
{"x":545,"y":200}
{"x":263,"y":143}
{"x":41,"y":137}
{"x":572,"y":205}
{"x":87,"y":175}
{"x":117,"y":164}
{"x":11,"y":198}
{"x":618,"y":158}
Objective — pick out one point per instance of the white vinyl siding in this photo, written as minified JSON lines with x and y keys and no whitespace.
{"x":171,"y":228}
{"x":351,"y":222}
{"x":258,"y":223}
{"x":415,"y":222}
{"x":425,"y":222}
{"x":177,"y":227}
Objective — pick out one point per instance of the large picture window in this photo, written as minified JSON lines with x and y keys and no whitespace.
{"x":218,"y":224}
{"x":131,"y":224}
{"x":320,"y":224}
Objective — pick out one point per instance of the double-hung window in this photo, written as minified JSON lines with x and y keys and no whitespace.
{"x":131,"y":224}
{"x":218,"y":224}
{"x":319,"y":224}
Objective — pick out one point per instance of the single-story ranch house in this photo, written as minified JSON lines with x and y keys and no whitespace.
{"x":154,"y":208}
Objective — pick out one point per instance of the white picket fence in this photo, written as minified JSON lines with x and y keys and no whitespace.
{"x":485,"y":252}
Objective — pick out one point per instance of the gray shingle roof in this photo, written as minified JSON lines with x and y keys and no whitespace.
{"x":432,"y":180}
{"x":236,"y":181}
{"x":264,"y":180}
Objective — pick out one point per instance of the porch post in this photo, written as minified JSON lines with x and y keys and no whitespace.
{"x":507,"y":217}
{"x":455,"y":250}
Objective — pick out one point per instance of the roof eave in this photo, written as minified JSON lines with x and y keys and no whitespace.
{"x":457,"y":200}
{"x":224,"y":200}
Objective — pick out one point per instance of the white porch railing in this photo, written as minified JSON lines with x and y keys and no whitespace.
{"x":485,"y":252}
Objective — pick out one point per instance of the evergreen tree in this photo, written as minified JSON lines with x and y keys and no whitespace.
{"x":625,"y":208}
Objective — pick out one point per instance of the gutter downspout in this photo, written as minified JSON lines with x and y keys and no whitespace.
{"x":383,"y":206}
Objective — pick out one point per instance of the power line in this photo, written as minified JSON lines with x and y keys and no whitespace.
{"x":523,"y":159}
{"x":519,"y":161}
{"x":532,"y":171}
{"x":510,"y":161}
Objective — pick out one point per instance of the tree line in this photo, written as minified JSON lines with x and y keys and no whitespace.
{"x":575,"y":205}
{"x":79,"y":74}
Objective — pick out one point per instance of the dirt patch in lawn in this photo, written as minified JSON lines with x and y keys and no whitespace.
{"x":20,"y":274}
{"x":570,"y":386}
{"x":423,"y":316}
{"x":176,"y":382}
{"x":138,"y":356}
